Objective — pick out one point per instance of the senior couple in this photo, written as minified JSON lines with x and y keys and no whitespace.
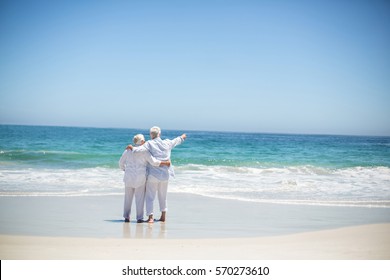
{"x":147,"y":169}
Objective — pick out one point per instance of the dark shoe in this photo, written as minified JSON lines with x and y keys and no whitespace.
{"x":127,"y":221}
{"x":140,"y":221}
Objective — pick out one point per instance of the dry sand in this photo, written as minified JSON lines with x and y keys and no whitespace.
{"x":367,"y":242}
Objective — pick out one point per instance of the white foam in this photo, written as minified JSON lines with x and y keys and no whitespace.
{"x":87,"y":181}
{"x":308,"y":185}
{"x":357,"y":186}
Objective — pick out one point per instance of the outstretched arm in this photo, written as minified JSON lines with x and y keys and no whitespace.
{"x":178,"y":140}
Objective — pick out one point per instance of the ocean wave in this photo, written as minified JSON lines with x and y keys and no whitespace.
{"x":303,"y":185}
{"x":57,"y":158}
{"x":59,"y":181}
{"x":355,"y":186}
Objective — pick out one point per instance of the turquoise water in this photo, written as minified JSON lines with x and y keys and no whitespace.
{"x":274,"y":168}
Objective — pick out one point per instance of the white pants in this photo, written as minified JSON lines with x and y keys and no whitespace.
{"x":153,"y":186}
{"x":139,"y":194}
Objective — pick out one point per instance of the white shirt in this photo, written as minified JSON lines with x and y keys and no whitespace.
{"x":161,"y":150}
{"x":134,"y":165}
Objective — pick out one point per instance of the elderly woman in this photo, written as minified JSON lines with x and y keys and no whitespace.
{"x":134,"y":165}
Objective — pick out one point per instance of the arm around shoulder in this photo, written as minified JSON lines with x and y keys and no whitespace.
{"x":139,"y":149}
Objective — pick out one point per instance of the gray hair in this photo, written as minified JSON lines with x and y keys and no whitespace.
{"x":155,"y":132}
{"x":138,"y":139}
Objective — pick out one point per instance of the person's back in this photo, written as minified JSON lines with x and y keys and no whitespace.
{"x":161,"y":150}
{"x":134,"y":165}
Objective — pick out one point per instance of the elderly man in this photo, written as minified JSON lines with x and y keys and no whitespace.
{"x":157,"y":181}
{"x":134,"y":165}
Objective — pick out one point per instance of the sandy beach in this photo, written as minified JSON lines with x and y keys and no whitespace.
{"x":74,"y":228}
{"x":371,"y":242}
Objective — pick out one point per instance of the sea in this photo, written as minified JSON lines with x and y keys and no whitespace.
{"x":327,"y":170}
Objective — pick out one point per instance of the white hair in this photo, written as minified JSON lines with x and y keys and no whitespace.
{"x":155,"y":132}
{"x":138,"y":139}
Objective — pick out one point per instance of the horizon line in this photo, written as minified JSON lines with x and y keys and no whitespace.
{"x":199,"y":130}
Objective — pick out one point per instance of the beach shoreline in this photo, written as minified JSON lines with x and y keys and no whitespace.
{"x":189,"y":216}
{"x":197,"y":228}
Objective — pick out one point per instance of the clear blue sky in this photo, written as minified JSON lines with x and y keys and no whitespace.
{"x":261,"y":66}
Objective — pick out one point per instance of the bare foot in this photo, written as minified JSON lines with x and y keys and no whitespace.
{"x":162,"y":218}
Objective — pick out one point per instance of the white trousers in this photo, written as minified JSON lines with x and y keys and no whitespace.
{"x":139,"y":194}
{"x":153,"y":186}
